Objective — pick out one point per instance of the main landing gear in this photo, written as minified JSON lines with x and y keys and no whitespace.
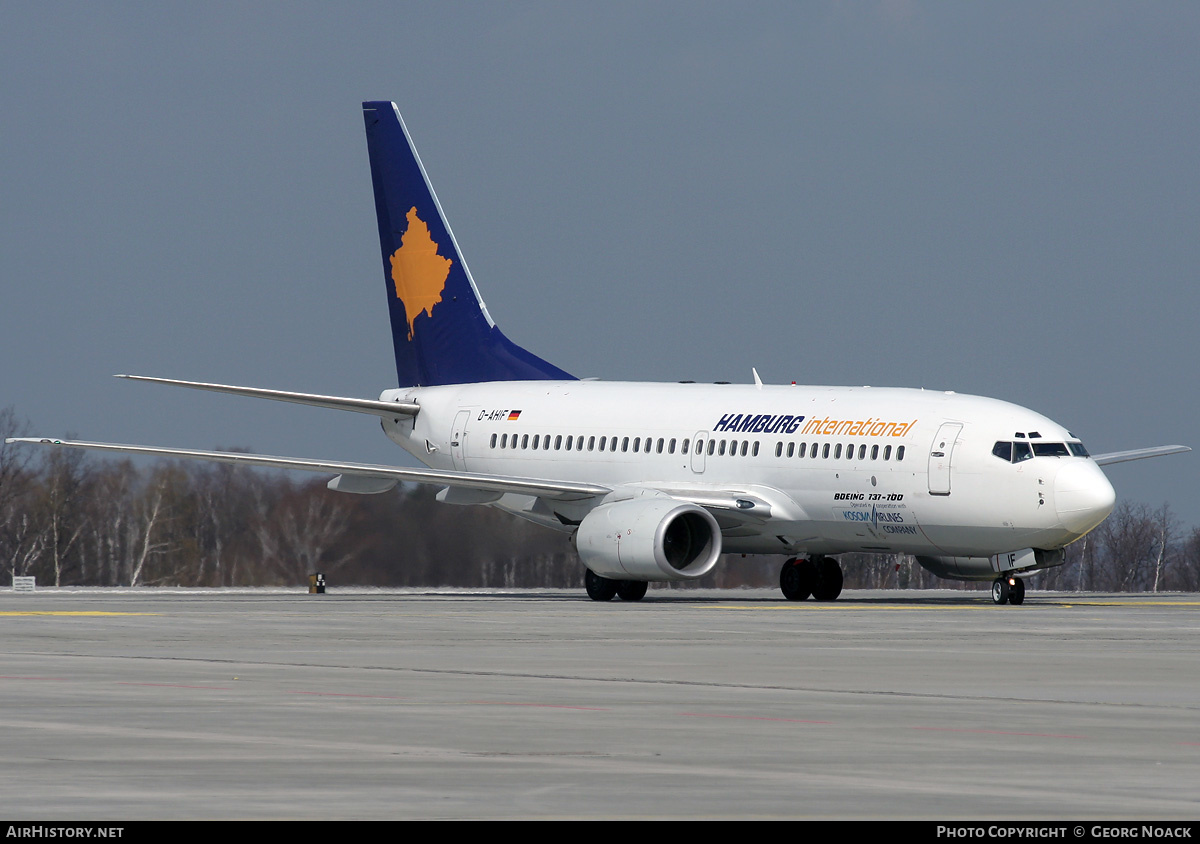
{"x":818,"y":576}
{"x":1008,"y":589}
{"x":604,"y":589}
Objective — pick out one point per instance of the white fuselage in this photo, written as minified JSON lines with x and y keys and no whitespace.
{"x":830,"y":469}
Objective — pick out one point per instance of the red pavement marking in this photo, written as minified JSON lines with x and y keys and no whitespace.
{"x":176,"y":686}
{"x":343,"y":694}
{"x":999,"y":732}
{"x":754,"y":718}
{"x":544,"y":705}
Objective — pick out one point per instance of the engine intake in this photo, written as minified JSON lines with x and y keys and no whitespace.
{"x":649,"y":539}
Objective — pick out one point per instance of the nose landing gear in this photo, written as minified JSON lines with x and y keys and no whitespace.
{"x":1008,"y":589}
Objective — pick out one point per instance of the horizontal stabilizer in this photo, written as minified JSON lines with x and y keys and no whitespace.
{"x":558,"y":490}
{"x":1138,"y":454}
{"x":378,"y":408}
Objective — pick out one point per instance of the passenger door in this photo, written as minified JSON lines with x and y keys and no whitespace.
{"x":458,"y":439}
{"x":940,"y":455}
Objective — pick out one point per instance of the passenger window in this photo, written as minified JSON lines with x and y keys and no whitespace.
{"x":684,"y":446}
{"x":825,"y":451}
{"x":802,"y":447}
{"x":754,"y":451}
{"x":660,"y":445}
{"x":637,"y":444}
{"x":591,"y":443}
{"x":625,"y":444}
{"x":603,"y":442}
{"x":558,"y":442}
{"x":525,"y":441}
{"x":712,"y":444}
{"x":745,"y":443}
{"x":779,"y":450}
{"x":546,"y":443}
{"x":900,"y":452}
{"x":504,"y":441}
{"x":862,"y":452}
{"x":646,"y":445}
{"x":887,"y":452}
{"x":837,"y":451}
{"x":874,"y":452}
{"x":493,"y":440}
{"x":721,"y":449}
{"x":671,"y":446}
{"x":570,"y":441}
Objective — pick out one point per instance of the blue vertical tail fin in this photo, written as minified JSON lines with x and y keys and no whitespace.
{"x":441,"y":330}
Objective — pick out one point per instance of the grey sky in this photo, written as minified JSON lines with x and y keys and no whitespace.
{"x":994,"y":198}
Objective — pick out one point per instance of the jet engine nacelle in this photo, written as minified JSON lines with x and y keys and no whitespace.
{"x":658,"y":538}
{"x":986,"y":568}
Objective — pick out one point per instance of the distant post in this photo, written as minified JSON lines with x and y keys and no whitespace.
{"x":316,"y":584}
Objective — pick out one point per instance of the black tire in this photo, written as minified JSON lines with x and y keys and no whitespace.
{"x":829,"y":579}
{"x":1000,"y":591}
{"x":599,"y":588}
{"x":795,"y":579}
{"x":1016,"y":592}
{"x":632,"y":590}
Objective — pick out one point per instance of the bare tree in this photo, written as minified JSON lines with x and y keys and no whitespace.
{"x":64,"y":517}
{"x":302,"y":532}
{"x":21,"y":540}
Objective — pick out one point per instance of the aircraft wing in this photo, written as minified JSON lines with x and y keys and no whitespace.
{"x":377,"y":408}
{"x":1138,"y":454}
{"x":558,"y":490}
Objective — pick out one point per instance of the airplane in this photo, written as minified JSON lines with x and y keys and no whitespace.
{"x":653,"y":481}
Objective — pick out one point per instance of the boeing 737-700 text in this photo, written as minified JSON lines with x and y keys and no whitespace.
{"x":654,"y":481}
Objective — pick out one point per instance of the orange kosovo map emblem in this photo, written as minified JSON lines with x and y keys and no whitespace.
{"x":418,"y":271}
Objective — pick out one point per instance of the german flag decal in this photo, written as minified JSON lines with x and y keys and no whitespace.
{"x":514,"y":416}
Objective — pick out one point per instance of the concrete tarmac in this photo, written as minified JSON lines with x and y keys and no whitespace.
{"x":141,"y":704}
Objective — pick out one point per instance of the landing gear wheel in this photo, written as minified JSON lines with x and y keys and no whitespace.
{"x":829,"y":579}
{"x":1016,"y":592}
{"x":796,"y":579}
{"x":631,"y":590}
{"x":1000,"y":590}
{"x":599,"y":588}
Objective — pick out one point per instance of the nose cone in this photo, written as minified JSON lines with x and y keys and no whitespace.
{"x":1083,"y":497}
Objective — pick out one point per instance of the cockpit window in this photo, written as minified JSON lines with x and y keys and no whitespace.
{"x":1019,"y":451}
{"x":1050,"y":450}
